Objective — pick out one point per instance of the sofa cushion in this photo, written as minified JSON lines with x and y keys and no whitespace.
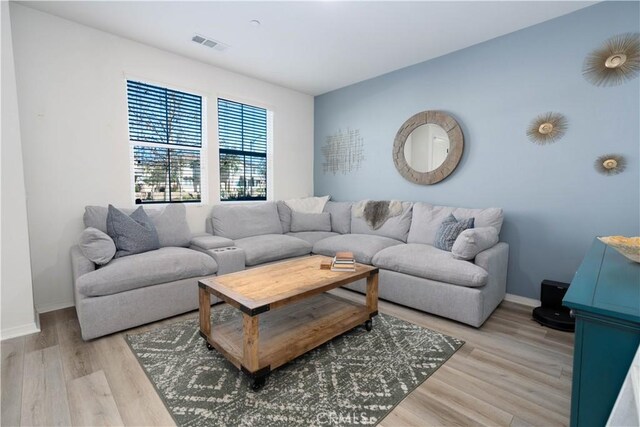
{"x":132,"y":234}
{"x":96,"y":217}
{"x":430,"y":263}
{"x":363,"y":246}
{"x":473,"y":241}
{"x":449,"y":231}
{"x":427,"y":218}
{"x":97,"y":246}
{"x":340,"y":216}
{"x":271,"y":247}
{"x":146,"y":269}
{"x":170,"y":222}
{"x":284,"y":212}
{"x":395,"y":227}
{"x":312,"y":236}
{"x":245,"y":220}
{"x":301,"y":221}
{"x":308,"y":204}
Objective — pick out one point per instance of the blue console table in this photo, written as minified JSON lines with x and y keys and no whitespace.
{"x":605,"y":299}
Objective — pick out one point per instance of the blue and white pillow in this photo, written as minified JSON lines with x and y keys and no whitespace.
{"x":449,"y":231}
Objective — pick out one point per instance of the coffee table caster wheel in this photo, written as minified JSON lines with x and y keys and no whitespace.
{"x":209,"y":346}
{"x":368,"y":325}
{"x":257,"y":383}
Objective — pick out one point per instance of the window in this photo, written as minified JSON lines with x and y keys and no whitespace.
{"x":242,"y":135}
{"x":166,"y":135}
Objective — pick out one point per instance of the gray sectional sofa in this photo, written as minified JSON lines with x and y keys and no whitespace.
{"x":146,"y":287}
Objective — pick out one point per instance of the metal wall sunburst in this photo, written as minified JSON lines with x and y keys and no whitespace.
{"x":615,"y":62}
{"x":610,"y":164}
{"x":547,"y":128}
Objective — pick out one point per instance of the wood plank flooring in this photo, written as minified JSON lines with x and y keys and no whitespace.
{"x":510,"y":372}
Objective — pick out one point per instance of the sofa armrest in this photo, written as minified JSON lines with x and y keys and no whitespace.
{"x":204,"y":242}
{"x":495,"y":260}
{"x":80,"y":264}
{"x":229,"y":259}
{"x":493,"y":257}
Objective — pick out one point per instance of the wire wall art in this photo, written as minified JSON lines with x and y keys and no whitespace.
{"x":343,"y":152}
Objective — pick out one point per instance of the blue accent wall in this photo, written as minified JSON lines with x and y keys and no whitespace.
{"x":553,"y":199}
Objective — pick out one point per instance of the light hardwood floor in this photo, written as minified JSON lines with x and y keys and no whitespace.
{"x":510,"y":372}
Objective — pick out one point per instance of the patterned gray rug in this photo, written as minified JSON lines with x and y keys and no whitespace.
{"x":355,"y":379}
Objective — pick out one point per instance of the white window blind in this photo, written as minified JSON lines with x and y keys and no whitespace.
{"x":165,"y":134}
{"x":242,"y":136}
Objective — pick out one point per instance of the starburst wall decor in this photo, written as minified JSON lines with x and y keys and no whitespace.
{"x":615,"y":62}
{"x":343,"y":152}
{"x":610,"y":164}
{"x":547,"y":128}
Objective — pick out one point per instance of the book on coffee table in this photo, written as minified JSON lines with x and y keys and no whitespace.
{"x":344,"y":256}
{"x":343,"y":261}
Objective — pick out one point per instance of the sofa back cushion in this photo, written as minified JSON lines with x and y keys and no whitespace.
{"x":238,"y":221}
{"x":340,"y":216}
{"x":395,"y":227}
{"x":170,"y":222}
{"x":427,"y":219}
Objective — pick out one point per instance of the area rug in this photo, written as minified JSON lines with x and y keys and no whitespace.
{"x":355,"y":379}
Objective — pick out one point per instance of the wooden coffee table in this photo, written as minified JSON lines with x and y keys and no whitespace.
{"x":286,"y":312}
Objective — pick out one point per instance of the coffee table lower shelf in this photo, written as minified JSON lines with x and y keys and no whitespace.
{"x":281,"y":335}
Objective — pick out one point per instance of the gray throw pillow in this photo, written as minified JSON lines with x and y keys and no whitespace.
{"x":97,"y":246}
{"x":132,"y":234}
{"x":449,"y":231}
{"x":473,"y":241}
{"x":301,"y":221}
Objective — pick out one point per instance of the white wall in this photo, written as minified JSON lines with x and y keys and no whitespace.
{"x":16,"y":294}
{"x":72,"y":98}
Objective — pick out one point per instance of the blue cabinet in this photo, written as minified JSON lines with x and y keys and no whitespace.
{"x":605,"y":298}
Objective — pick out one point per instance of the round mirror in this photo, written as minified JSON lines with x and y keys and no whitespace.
{"x":428,"y":147}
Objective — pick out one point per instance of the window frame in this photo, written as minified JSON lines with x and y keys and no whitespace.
{"x":270,"y":113}
{"x":203,"y":149}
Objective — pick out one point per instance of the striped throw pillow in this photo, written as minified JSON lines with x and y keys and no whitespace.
{"x":449,"y":231}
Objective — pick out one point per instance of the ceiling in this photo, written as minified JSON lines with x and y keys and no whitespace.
{"x":313,"y":47}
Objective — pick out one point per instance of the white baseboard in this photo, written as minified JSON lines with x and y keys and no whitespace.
{"x":18,"y":331}
{"x":53,"y":307}
{"x":530,"y":302}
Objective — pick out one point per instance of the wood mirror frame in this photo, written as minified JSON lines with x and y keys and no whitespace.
{"x":456,"y":147}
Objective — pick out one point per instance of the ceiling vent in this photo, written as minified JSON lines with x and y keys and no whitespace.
{"x":204,"y":41}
